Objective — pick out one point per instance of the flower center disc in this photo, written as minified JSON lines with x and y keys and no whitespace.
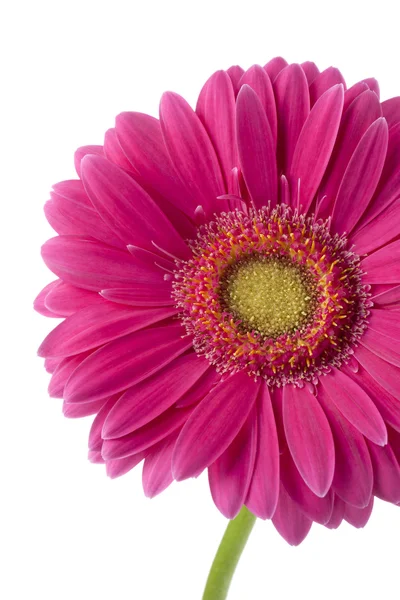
{"x":268,"y":296}
{"x":273,"y":292}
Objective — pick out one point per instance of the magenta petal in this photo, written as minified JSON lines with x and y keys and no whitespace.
{"x":310,"y":70}
{"x":213,"y":425}
{"x":289,"y":521}
{"x":309,"y":438}
{"x":148,"y":399}
{"x":383,"y":346}
{"x":391,"y":110}
{"x":197,"y":392}
{"x":83,"y":151}
{"x":263,"y":492}
{"x":142,"y":294}
{"x":96,"y":325}
{"x":361,"y":178}
{"x":358,"y":517}
{"x":337,"y":513}
{"x":315,"y":144}
{"x":387,"y":375}
{"x":314,"y":507}
{"x":257,"y":78}
{"x":387,"y":297}
{"x":230,"y":475}
{"x":323,"y":81}
{"x":355,"y":405}
{"x":275,"y":66}
{"x":373,"y":85}
{"x":92,"y":265}
{"x":125,"y":362}
{"x":378,"y":232}
{"x":65,"y":299}
{"x":353,"y":478}
{"x":119,"y":467}
{"x":62,"y":373}
{"x":128,"y":209}
{"x":386,"y":473}
{"x":383,"y":266}
{"x":256,"y":148}
{"x":39,"y":302}
{"x":351,"y":94}
{"x":95,"y":437}
{"x":235,"y":74}
{"x":216,"y":109}
{"x":77,"y":411}
{"x":293,"y":107}
{"x":114,"y":152}
{"x":191,"y":150}
{"x":157,"y":473}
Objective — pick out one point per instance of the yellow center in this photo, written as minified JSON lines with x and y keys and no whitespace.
{"x":270,"y":296}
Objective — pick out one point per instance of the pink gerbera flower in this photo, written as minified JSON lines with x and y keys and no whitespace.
{"x":230,"y":282}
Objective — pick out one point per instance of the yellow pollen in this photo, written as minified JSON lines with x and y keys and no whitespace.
{"x":269,"y":295}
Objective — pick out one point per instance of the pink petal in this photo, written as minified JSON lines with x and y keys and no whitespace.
{"x":315,"y":144}
{"x":152,"y":261}
{"x":386,"y":473}
{"x":150,"y":398}
{"x":95,"y":437}
{"x":314,"y":507}
{"x":362,"y":112}
{"x":256,"y":148}
{"x":92,"y":265}
{"x":293,"y":107}
{"x":96,"y":325}
{"x":62,"y":373}
{"x":351,"y":94}
{"x":289,"y":521}
{"x":378,"y":232}
{"x":235,"y":74}
{"x":353,"y":478}
{"x":324,"y":81}
{"x":82,"y":151}
{"x":50,"y":364}
{"x":387,"y":297}
{"x":213,"y":425}
{"x":382,"y":345}
{"x":310,"y":70}
{"x":387,"y":375}
{"x":125,"y":362}
{"x":113,"y":151}
{"x":203,"y":386}
{"x":309,"y":438}
{"x":128,"y":209}
{"x":191,"y":150}
{"x":230,"y":475}
{"x":76,"y":411}
{"x":256,"y":77}
{"x":275,"y":66}
{"x":157,"y":473}
{"x":39,"y":302}
{"x":391,"y":110}
{"x":146,"y":436}
{"x":95,"y":458}
{"x":337,"y":514}
{"x":358,"y":517}
{"x":142,"y":294}
{"x":65,"y":299}
{"x":263,"y":492}
{"x":216,"y":109}
{"x":119,"y":467}
{"x":372,"y":84}
{"x":361,"y":178}
{"x":383,"y":266}
{"x":72,"y":190}
{"x":355,"y":405}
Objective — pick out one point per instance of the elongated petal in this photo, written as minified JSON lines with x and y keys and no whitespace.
{"x":274,"y":66}
{"x":381,"y":230}
{"x":337,"y":513}
{"x":230,"y":475}
{"x":148,"y":399}
{"x":83,"y":151}
{"x":117,"y":468}
{"x":143,"y":294}
{"x":386,"y":473}
{"x":191,"y":150}
{"x":315,"y":144}
{"x":39,"y":302}
{"x":358,"y":517}
{"x":263,"y":493}
{"x":62,"y":373}
{"x":198,"y":391}
{"x":235,"y":74}
{"x":387,"y":375}
{"x":256,"y":148}
{"x":383,"y":346}
{"x":351,"y":94}
{"x":93,"y":266}
{"x":95,"y":437}
{"x":125,"y":362}
{"x":293,"y":107}
{"x":216,"y":109}
{"x":323,"y":81}
{"x":213,"y":425}
{"x":65,"y":299}
{"x":388,"y":297}
{"x":77,"y":411}
{"x":385,"y":323}
{"x":353,"y":478}
{"x":257,"y":78}
{"x":391,"y":110}
{"x":361,"y":178}
{"x":96,"y":325}
{"x":157,"y":473}
{"x":128,"y":209}
{"x":309,"y":438}
{"x":311,"y":70}
{"x":114,"y":152}
{"x":355,"y":405}
{"x":289,"y":521}
{"x":383,"y":266}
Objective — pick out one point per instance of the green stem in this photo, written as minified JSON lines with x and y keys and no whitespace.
{"x":228,"y":555}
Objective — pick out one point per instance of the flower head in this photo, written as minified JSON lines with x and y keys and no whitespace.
{"x":230,"y":283}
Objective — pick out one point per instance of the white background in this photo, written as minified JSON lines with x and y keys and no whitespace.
{"x":68,"y":532}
